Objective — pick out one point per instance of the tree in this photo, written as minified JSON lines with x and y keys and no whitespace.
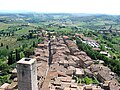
{"x":4,"y":52}
{"x":28,"y":52}
{"x":12,"y":33}
{"x":88,"y":80}
{"x":17,"y":55}
{"x":1,"y":44}
{"x":30,"y":35}
{"x":7,"y":47}
{"x":102,"y":47}
{"x":22,"y":55}
{"x":10,"y":59}
{"x":34,"y":44}
{"x":4,"y":67}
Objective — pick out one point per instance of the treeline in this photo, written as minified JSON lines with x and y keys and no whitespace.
{"x":9,"y":57}
{"x":10,"y":31}
{"x":114,"y":65}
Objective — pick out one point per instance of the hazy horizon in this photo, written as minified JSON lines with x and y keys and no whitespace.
{"x":59,"y":6}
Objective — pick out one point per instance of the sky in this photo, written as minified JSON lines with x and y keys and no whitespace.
{"x":63,"y":6}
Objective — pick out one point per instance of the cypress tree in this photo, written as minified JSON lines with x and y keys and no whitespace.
{"x":10,"y":61}
{"x":1,"y":44}
{"x":7,"y":47}
{"x":17,"y":55}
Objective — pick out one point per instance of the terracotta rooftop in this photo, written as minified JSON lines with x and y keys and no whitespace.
{"x":65,"y":37}
{"x":114,"y":85}
{"x":42,"y":45}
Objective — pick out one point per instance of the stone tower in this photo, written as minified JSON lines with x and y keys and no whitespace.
{"x":27,"y":74}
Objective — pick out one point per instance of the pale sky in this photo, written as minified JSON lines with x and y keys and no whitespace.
{"x":63,"y":6}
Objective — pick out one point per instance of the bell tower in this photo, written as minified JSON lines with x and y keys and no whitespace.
{"x":27,"y":74}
